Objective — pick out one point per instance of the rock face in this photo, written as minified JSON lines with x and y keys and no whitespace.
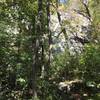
{"x":76,"y":26}
{"x":69,"y":84}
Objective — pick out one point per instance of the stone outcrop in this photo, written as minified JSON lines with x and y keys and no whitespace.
{"x":77,"y":28}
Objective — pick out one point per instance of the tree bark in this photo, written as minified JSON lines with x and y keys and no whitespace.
{"x":49,"y":34}
{"x":36,"y":47}
{"x":34,"y":62}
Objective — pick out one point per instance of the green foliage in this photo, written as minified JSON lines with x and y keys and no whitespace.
{"x":25,"y":44}
{"x":90,"y":61}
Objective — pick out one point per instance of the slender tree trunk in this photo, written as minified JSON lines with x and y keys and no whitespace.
{"x":49,"y":34}
{"x":87,"y":9}
{"x":36,"y":48}
{"x":34,"y":61}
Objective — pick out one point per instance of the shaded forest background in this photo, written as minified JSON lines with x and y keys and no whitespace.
{"x":31,"y":65}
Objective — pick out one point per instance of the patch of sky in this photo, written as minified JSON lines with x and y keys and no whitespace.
{"x":63,"y":1}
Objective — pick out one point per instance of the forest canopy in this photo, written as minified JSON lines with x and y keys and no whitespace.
{"x":49,"y":49}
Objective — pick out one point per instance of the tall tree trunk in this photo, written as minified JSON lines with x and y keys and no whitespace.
{"x":36,"y":48}
{"x":49,"y":34}
{"x":34,"y":61}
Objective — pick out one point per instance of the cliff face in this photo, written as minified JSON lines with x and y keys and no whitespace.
{"x":76,"y":25}
{"x":74,"y":4}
